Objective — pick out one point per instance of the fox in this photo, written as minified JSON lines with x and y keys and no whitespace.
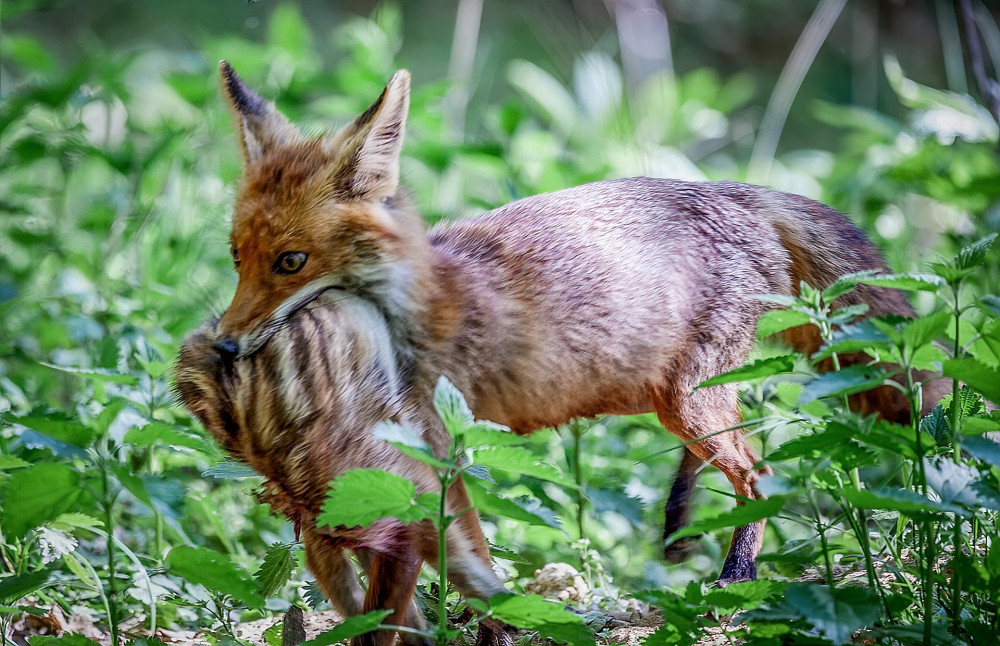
{"x":300,"y":411}
{"x":614,"y":297}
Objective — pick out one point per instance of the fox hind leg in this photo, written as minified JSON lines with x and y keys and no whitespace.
{"x":676,"y":510}
{"x":697,"y":416}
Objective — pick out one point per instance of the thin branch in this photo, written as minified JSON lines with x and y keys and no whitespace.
{"x":988,"y":88}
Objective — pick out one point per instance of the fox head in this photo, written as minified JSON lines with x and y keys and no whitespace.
{"x":314,"y":214}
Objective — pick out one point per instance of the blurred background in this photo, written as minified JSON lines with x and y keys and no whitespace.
{"x":118,"y":163}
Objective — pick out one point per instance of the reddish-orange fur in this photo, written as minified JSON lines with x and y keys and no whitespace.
{"x":613,"y":297}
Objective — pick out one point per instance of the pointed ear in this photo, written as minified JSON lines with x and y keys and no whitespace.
{"x":366,"y":152}
{"x":262,"y":127}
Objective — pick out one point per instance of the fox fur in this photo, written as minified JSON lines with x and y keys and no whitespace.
{"x":614,"y":297}
{"x":300,"y":411}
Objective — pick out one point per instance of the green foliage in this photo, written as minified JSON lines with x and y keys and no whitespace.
{"x":115,"y":172}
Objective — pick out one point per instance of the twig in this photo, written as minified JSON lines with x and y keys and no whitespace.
{"x":789,"y":82}
{"x":988,"y":88}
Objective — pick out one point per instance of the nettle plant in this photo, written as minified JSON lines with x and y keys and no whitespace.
{"x":362,"y":496}
{"x":908,"y":510}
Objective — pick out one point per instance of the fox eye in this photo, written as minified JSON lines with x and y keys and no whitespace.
{"x":290,"y":262}
{"x":236,"y":257}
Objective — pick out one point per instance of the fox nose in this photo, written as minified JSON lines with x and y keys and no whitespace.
{"x":227,"y":347}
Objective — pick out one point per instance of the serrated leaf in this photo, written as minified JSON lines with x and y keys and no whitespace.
{"x":313,"y":595}
{"x":836,"y":613}
{"x":97,"y":374}
{"x":974,"y":254}
{"x":272,"y":636}
{"x":230,"y":470}
{"x":489,"y":434}
{"x":984,"y":449}
{"x":907,"y":282}
{"x":925,"y":329}
{"x":13,"y":588}
{"x":743,"y":595}
{"x":523,"y":510}
{"x":39,"y":494}
{"x":57,"y":426}
{"x":850,"y":380}
{"x":75,"y":520}
{"x":906,"y":502}
{"x":350,"y":627}
{"x":776,"y":321}
{"x":845,"y":284}
{"x":10,"y":462}
{"x":216,"y":571}
{"x":550,"y":619}
{"x":407,"y":442}
{"x":276,"y":569}
{"x":161,"y":433}
{"x":991,"y":303}
{"x":953,"y":482}
{"x":856,"y":337}
{"x":757,"y":370}
{"x":359,"y":497}
{"x":740,"y":515}
{"x":66,"y":639}
{"x":452,"y":407}
{"x":936,"y":424}
{"x":975,"y":374}
{"x":518,"y":459}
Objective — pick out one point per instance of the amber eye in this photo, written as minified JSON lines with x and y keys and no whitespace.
{"x":290,"y":262}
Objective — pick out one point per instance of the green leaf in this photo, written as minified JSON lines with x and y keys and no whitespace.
{"x":906,"y":502}
{"x":907,"y":282}
{"x":13,"y":588}
{"x":161,"y":433}
{"x":740,"y":515}
{"x":990,"y":303}
{"x":850,"y":380}
{"x":550,"y":619}
{"x":836,"y":613}
{"x":40,"y":494}
{"x":57,"y":426}
{"x":66,"y":639}
{"x":986,"y":450}
{"x":10,"y":462}
{"x":452,"y":407}
{"x":936,"y":424}
{"x":489,"y":434}
{"x":407,"y":442}
{"x":743,"y":595}
{"x":272,"y":636}
{"x":97,"y":374}
{"x":519,"y":460}
{"x":757,"y":370}
{"x":975,"y":253}
{"x":975,"y":374}
{"x":776,"y":321}
{"x":359,"y":497}
{"x":521,"y":509}
{"x":857,"y":337}
{"x":350,"y":627}
{"x":313,"y":595}
{"x":230,"y":470}
{"x":926,"y":329}
{"x":216,"y":571}
{"x":75,"y":520}
{"x":276,"y":569}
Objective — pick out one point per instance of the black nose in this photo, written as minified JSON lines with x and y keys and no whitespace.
{"x":227,"y":348}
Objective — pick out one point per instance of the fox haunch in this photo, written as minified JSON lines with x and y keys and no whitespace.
{"x":300,"y":410}
{"x":614,"y":297}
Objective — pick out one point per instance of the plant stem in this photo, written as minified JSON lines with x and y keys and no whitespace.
{"x":108,"y":506}
{"x":442,"y":522}
{"x":956,"y":441}
{"x":822,"y":539}
{"x":581,"y":500}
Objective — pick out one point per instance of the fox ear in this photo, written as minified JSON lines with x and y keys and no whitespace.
{"x":366,"y":152}
{"x":262,"y":127}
